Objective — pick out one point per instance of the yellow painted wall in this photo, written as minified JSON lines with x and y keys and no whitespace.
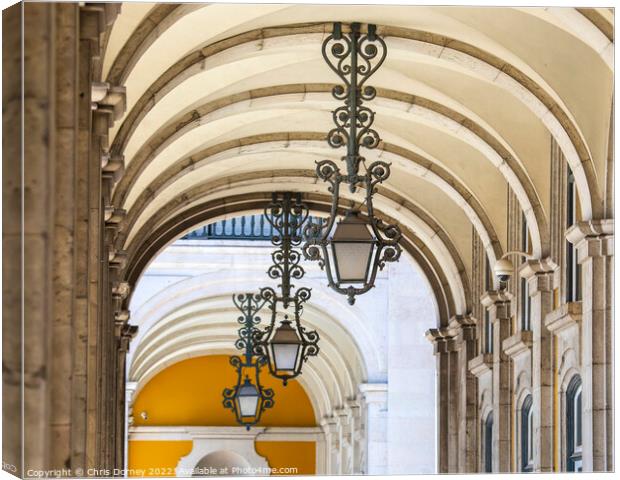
{"x":298,"y":455}
{"x":155,"y":459}
{"x":189,"y":393}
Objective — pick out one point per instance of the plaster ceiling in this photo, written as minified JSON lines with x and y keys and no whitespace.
{"x":469,"y":101}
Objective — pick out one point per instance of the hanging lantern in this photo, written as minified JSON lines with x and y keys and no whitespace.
{"x":285,"y":347}
{"x":286,"y":344}
{"x":353,"y":245}
{"x":359,"y":247}
{"x":247,"y":398}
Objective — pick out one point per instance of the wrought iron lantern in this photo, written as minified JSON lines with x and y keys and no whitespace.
{"x":248,"y":399}
{"x":353,"y":250}
{"x":286,"y":344}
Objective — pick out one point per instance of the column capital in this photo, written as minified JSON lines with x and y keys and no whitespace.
{"x":329,"y":424}
{"x":442,"y":339}
{"x":130,"y":388}
{"x":117,"y":259}
{"x":498,"y":300}
{"x":495,"y":297}
{"x":373,"y":392}
{"x":537,"y":266}
{"x":463,"y":327}
{"x":539,"y":274}
{"x":110,"y":99}
{"x":354,"y":406}
{"x":343,"y":415}
{"x":593,"y":238}
{"x":127,"y":334}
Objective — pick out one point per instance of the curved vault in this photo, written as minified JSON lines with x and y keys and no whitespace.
{"x":466,"y":110}
{"x":196,"y":317}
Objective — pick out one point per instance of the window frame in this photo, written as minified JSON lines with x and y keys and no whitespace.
{"x":574,"y":419}
{"x":527,"y":435}
{"x":487,"y":459}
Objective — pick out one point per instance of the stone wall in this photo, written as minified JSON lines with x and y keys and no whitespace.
{"x":561,"y":342}
{"x":70,"y":387}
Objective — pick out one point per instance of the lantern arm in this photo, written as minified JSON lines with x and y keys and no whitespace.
{"x":388,"y":235}
{"x":266,"y":394}
{"x":316,"y":235}
{"x":229,"y":394}
{"x":309,"y":338}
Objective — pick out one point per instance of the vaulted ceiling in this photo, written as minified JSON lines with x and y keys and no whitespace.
{"x":228,"y":102}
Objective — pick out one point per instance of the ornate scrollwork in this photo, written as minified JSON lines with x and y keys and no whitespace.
{"x":287,"y":214}
{"x":354,"y":57}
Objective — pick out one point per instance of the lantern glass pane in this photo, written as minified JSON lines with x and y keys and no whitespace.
{"x":247,"y":396}
{"x":285,"y":355}
{"x":352,"y":260}
{"x":248,"y":405}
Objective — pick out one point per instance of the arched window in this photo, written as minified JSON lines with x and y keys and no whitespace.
{"x":488,"y":443}
{"x":527,"y":414}
{"x":573,"y":425}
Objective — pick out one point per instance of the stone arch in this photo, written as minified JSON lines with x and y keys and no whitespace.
{"x":222,"y":459}
{"x":159,"y":237}
{"x":491,"y":145}
{"x":543,"y":103}
{"x":232,"y":451}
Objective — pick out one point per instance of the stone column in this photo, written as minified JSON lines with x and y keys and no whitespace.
{"x":38,"y":232}
{"x":443,"y":347}
{"x":539,"y":275}
{"x":126,"y":334}
{"x":130,"y":390}
{"x":463,"y":329}
{"x":374,"y":396}
{"x":345,"y":440}
{"x":357,"y":435}
{"x":498,"y":304}
{"x":330,"y":429}
{"x":594,"y":242}
{"x":12,"y":273}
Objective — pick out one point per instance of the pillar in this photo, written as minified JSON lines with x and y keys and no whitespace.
{"x":539,"y":275}
{"x":130,"y":390}
{"x":374,"y":396}
{"x":357,"y":435}
{"x":594,"y":242}
{"x":463,"y":329}
{"x":498,"y":304}
{"x":332,"y":448}
{"x":447,"y":398}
